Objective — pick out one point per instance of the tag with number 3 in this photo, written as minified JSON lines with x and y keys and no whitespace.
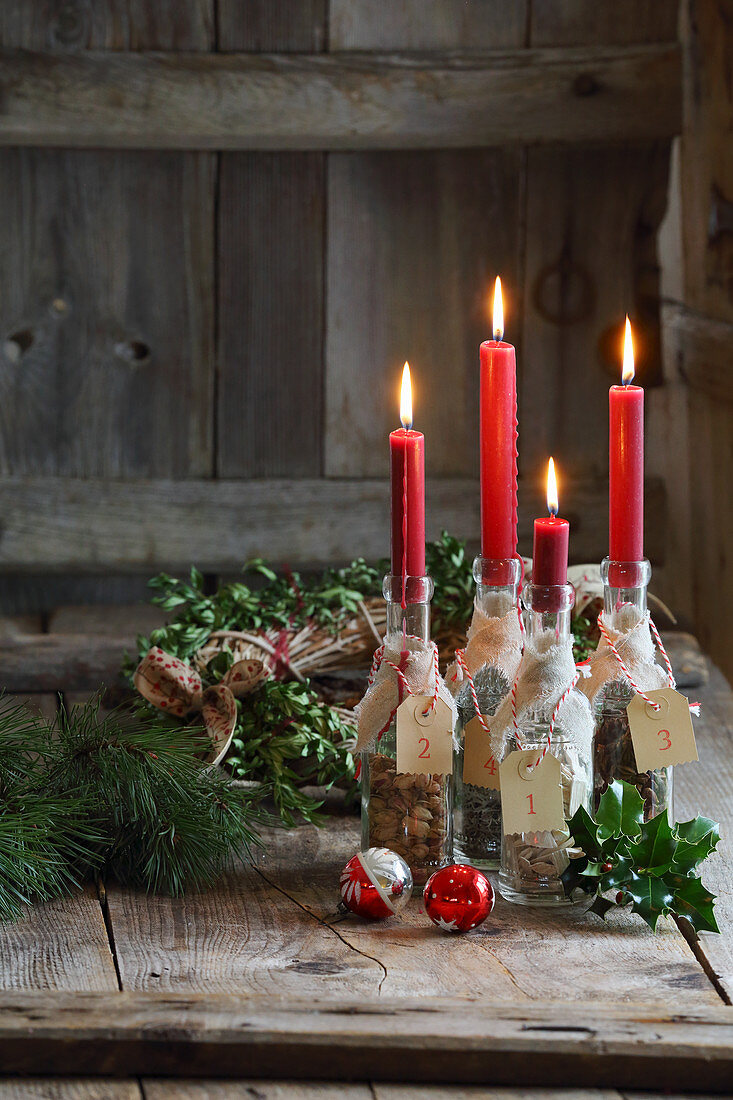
{"x":424,"y":736}
{"x":661,"y":737}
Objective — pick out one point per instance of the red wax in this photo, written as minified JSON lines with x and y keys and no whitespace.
{"x":498,"y":434}
{"x":626,"y":473}
{"x":407,"y":469}
{"x":550,"y":554}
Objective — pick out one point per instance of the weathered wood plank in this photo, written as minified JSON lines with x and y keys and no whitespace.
{"x":705,"y":788}
{"x":706,"y":181}
{"x":258,"y":1090}
{"x":61,"y":662}
{"x":108,"y":24}
{"x":105,"y":368}
{"x":52,"y":523}
{"x":513,"y":956}
{"x":295,"y":1090}
{"x":55,"y":1088}
{"x":578,"y":1045}
{"x":61,"y":945}
{"x":701,"y":346}
{"x":266,"y":25}
{"x":577,"y":23}
{"x":346,"y":101}
{"x":243,"y":935}
{"x":425,"y":24}
{"x":270,"y":258}
{"x":581,"y":276}
{"x":430,"y":229}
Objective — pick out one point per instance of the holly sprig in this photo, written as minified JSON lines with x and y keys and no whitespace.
{"x":650,"y":865}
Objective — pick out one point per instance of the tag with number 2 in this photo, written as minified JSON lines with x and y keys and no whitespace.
{"x":424,"y":736}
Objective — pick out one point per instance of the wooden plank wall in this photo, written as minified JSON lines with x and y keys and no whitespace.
{"x":695,"y":414}
{"x":222,"y":317}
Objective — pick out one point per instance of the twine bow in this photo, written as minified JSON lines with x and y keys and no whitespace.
{"x":174,"y":687}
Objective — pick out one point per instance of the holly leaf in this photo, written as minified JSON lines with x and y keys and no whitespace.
{"x":651,"y":897}
{"x":585,"y":833}
{"x":620,"y":811}
{"x":695,"y":903}
{"x":697,"y":840}
{"x":601,"y":906}
{"x":573,"y":877}
{"x":622,"y":871}
{"x":653,"y":852}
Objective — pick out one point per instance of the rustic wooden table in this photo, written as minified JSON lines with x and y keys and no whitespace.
{"x":118,"y":995}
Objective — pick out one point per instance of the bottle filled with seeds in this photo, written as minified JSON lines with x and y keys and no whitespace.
{"x":626,"y":619}
{"x":408,"y":812}
{"x":492,"y":658}
{"x":533,"y":860}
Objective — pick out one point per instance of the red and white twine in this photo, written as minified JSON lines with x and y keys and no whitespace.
{"x":461,"y":661}
{"x":694,"y":707}
{"x":379,"y":659}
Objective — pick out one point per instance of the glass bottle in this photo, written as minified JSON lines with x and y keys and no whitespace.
{"x":410,"y":814}
{"x":477,"y":810}
{"x":532,"y":863}
{"x":624,"y":605}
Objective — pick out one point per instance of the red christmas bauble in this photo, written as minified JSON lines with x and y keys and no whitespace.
{"x":376,"y":884}
{"x":458,"y":898}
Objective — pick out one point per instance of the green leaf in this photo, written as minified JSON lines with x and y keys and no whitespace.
{"x":651,"y":896}
{"x":695,"y":903}
{"x":698,"y":839}
{"x":652,"y":853}
{"x":620,"y":811}
{"x":601,"y":907}
{"x":585,"y":833}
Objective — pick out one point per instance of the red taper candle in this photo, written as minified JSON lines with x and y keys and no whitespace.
{"x":407,"y":472}
{"x":626,"y":465}
{"x":498,"y":441}
{"x":550,"y":552}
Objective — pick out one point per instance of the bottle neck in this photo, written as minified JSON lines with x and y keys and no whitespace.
{"x":624,"y":592}
{"x":408,"y":606}
{"x":548,"y":609}
{"x":497,"y":584}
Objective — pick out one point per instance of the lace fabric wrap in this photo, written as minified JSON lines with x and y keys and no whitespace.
{"x":546,"y":672}
{"x":635,"y":644}
{"x":416,"y":659}
{"x":493,"y":640}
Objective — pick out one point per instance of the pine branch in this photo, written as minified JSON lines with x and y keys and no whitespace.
{"x":115,"y":795}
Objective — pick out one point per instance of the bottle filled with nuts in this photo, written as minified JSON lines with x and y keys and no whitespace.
{"x":476,"y":797}
{"x":549,"y":708}
{"x":624,"y":612}
{"x":408,"y":812}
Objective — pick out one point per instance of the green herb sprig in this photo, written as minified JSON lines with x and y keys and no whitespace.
{"x":650,"y":865}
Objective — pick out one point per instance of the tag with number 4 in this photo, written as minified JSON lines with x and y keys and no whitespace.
{"x":661,"y":737}
{"x":424,"y":736}
{"x":479,"y":765}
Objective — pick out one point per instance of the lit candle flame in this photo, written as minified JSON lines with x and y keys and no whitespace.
{"x":406,"y":398}
{"x":628,"y":371}
{"x":498,"y":310}
{"x":552,"y":500}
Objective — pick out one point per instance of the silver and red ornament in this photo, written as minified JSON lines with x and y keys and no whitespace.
{"x":458,"y":898}
{"x":376,"y":884}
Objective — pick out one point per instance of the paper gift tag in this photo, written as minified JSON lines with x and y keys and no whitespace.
{"x":661,"y":737}
{"x":424,"y":736}
{"x":531,"y":801}
{"x":479,"y":766}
